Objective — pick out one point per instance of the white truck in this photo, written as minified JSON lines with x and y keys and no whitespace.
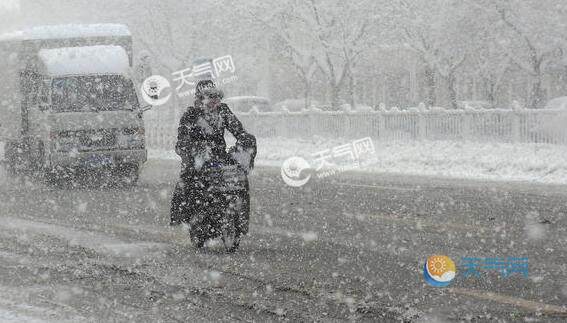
{"x":68,"y":102}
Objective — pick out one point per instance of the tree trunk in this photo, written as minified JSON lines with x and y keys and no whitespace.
{"x":351,"y":91}
{"x":491,"y":92}
{"x":537,"y":95}
{"x":307,"y":93}
{"x":335,"y":90}
{"x":431,"y":97}
{"x":451,"y":84}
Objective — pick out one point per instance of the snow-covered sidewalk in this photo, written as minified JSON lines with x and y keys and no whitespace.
{"x":540,"y":163}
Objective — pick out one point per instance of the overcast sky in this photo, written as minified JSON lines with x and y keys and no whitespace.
{"x":10,"y":17}
{"x":9,"y":4}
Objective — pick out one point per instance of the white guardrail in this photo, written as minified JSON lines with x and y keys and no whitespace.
{"x":522,"y":126}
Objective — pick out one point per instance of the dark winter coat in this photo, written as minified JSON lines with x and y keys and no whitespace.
{"x":200,"y":136}
{"x":200,"y":140}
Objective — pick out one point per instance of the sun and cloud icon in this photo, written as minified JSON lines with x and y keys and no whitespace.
{"x":439,"y":270}
{"x":152,"y":90}
{"x":293,"y":171}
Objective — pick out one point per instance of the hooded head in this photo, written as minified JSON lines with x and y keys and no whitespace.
{"x":207,"y":94}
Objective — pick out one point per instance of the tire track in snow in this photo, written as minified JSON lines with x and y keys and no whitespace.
{"x":98,"y":242}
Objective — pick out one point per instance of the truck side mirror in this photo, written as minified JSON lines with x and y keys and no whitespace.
{"x":44,"y":96}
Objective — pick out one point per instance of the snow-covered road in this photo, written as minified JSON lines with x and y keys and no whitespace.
{"x":347,"y":247}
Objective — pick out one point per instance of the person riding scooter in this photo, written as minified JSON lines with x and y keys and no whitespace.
{"x":200,"y":140}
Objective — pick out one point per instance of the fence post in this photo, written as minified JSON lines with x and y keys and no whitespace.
{"x":421,"y":126}
{"x":381,"y":125}
{"x":313,"y":122}
{"x":346,"y":124}
{"x":516,"y":123}
{"x":286,"y":125}
{"x":421,"y":121}
{"x":466,"y":125}
{"x":516,"y":132}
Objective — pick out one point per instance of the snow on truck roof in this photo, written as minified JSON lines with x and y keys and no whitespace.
{"x":85,"y":60}
{"x":68,"y":31}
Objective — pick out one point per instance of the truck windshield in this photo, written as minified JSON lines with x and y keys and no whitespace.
{"x":93,"y":93}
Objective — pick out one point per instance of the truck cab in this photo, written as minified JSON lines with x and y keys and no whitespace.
{"x":85,"y":112}
{"x":77,"y":109}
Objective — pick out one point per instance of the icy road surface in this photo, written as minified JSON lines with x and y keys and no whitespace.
{"x":347,"y":247}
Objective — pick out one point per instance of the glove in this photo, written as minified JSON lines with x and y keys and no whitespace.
{"x":243,"y":157}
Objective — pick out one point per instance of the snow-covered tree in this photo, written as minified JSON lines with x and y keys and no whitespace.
{"x":10,"y":15}
{"x":437,"y":31}
{"x":330,"y":35}
{"x":532,"y":35}
{"x":487,"y":63}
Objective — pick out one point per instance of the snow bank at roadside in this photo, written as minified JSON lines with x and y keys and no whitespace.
{"x":540,"y":163}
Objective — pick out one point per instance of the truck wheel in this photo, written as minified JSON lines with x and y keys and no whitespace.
{"x":58,"y":177}
{"x":37,"y":160}
{"x":11,"y":168}
{"x":11,"y":156}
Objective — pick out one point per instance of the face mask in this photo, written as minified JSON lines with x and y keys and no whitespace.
{"x":212,"y":102}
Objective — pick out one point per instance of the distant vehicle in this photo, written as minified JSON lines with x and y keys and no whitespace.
{"x":358,"y":108}
{"x":68,"y":101}
{"x":474,"y":105}
{"x":293,"y":105}
{"x":245,"y":104}
{"x":557,"y":103}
